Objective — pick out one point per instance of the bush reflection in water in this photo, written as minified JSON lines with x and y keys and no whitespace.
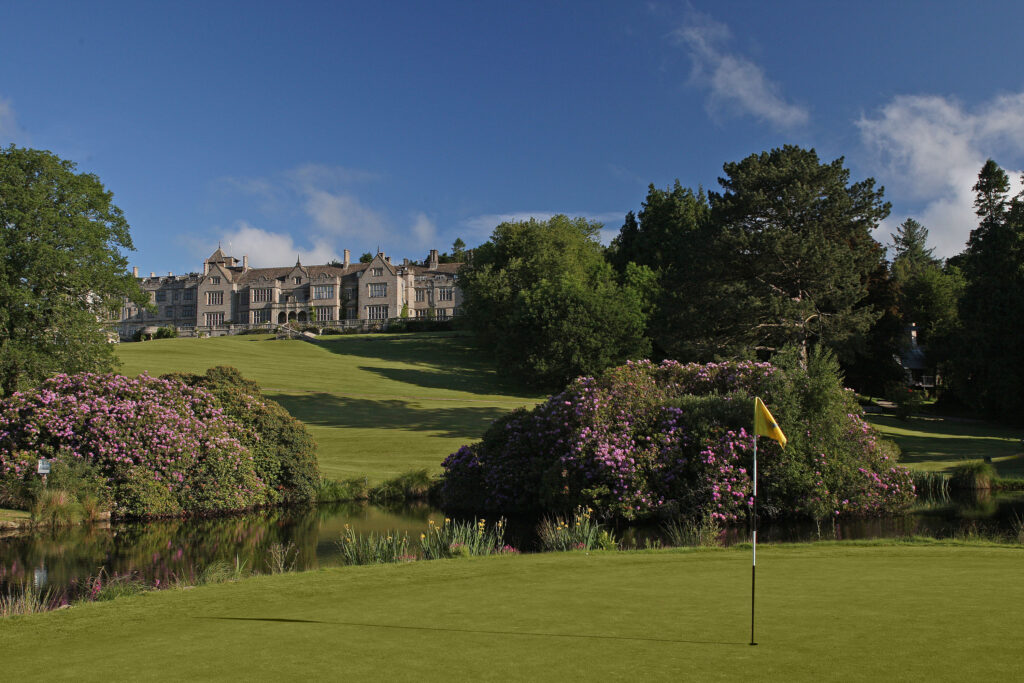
{"x":177,"y":551}
{"x":172,"y":552}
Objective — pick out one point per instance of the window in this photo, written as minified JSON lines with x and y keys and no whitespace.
{"x":187,"y":323}
{"x":350,"y":293}
{"x":323,"y":292}
{"x":296,"y":280}
{"x":378,"y":289}
{"x":161,"y":296}
{"x":444,"y":313}
{"x":169,"y":312}
{"x":421,"y":313}
{"x":214,"y":319}
{"x":376,"y":272}
{"x":377,"y":312}
{"x":174,"y":295}
{"x":262,"y":295}
{"x":188,"y":312}
{"x":215,"y":298}
{"x":261,"y":315}
{"x":186,"y":295}
{"x":445,"y":294}
{"x":215,"y":280}
{"x":324,"y":313}
{"x":421,"y":294}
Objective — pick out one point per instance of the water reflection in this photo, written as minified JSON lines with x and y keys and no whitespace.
{"x":164,"y":551}
{"x":161,"y":552}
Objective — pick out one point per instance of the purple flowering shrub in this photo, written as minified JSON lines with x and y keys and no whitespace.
{"x":647,"y":439}
{"x":160,"y":446}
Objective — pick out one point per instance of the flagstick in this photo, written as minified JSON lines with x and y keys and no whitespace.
{"x":753,"y":565}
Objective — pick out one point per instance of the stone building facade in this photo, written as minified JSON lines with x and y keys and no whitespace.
{"x":229,"y":296}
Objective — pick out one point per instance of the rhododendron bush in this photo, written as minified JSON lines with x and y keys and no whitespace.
{"x":159,"y":446}
{"x":647,"y":439}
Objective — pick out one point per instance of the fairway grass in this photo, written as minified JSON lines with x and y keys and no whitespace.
{"x":937,"y":444}
{"x":824,"y":612}
{"x":377,"y":405}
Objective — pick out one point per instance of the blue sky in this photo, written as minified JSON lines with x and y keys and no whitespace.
{"x":310,"y":128}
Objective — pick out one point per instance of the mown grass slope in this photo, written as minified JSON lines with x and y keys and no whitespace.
{"x":826,"y":612}
{"x":377,"y":404}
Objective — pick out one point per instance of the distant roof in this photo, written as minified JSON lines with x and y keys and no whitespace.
{"x":254,"y":274}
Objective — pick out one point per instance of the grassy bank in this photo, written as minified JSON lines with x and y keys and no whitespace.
{"x":378,"y":405}
{"x":825,"y":612}
{"x":16,"y":516}
{"x":938,"y":444}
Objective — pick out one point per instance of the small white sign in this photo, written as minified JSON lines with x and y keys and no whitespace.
{"x":44,"y":466}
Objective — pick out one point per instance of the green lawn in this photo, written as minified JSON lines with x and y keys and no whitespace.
{"x":13,"y":515}
{"x":825,"y":612}
{"x":378,"y":405}
{"x":936,"y":444}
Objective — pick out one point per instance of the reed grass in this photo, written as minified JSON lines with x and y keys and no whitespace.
{"x":702,"y":532}
{"x":463,"y":539}
{"x":931,"y":486}
{"x":972,"y":475}
{"x":282,"y":557}
{"x":579,"y":532}
{"x":55,"y":506}
{"x":27,"y":600}
{"x":411,"y":485}
{"x":373,"y":548}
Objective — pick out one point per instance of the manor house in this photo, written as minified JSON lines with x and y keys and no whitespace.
{"x":229,"y":296}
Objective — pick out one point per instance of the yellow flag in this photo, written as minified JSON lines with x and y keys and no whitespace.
{"x":765,"y":424}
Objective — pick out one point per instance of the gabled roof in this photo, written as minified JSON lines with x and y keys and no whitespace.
{"x":445,"y":268}
{"x":257,"y":275}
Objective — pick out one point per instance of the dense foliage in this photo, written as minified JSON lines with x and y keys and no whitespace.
{"x":542,"y":297}
{"x":61,"y":268}
{"x":150,"y":446}
{"x":282,"y":448}
{"x":782,"y":256}
{"x":647,"y":439}
{"x":983,"y":350}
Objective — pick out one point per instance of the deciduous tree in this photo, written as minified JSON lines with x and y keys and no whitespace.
{"x":62,"y":268}
{"x":542,"y":297}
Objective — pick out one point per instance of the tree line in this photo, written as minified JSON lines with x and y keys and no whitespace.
{"x":783,"y":255}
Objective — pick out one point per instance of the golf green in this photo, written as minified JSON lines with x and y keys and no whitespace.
{"x":850,"y":612}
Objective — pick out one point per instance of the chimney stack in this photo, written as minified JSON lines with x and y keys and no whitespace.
{"x":432,"y":264}
{"x":152,"y":274}
{"x":346,"y":258}
{"x":206,"y":267}
{"x":170,"y":274}
{"x":135,"y":271}
{"x":245,"y":262}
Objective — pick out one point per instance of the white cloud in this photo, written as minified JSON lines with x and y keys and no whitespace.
{"x":343,"y":215}
{"x":931,"y":150}
{"x":424,"y":232}
{"x":10,"y":131}
{"x":735,"y":84}
{"x":267,"y":249}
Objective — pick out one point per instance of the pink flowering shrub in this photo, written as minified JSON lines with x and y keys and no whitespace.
{"x":159,"y":446}
{"x":648,"y":439}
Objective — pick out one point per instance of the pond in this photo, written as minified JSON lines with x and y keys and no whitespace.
{"x":166,"y":551}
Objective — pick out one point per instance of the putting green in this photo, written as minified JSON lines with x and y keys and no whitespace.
{"x":377,"y":405}
{"x":825,"y":612}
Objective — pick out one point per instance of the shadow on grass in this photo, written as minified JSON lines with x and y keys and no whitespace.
{"x":442,"y":629}
{"x":941,"y":441}
{"x":328,"y":410}
{"x":449,"y":361}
